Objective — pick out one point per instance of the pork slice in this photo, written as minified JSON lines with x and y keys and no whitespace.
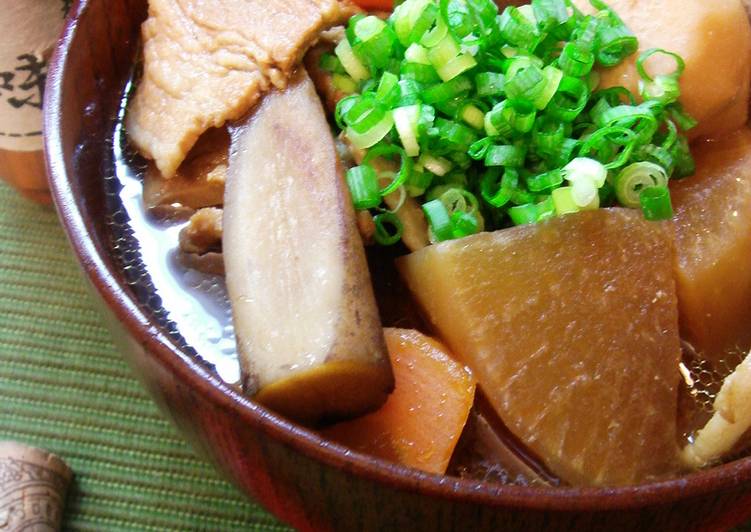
{"x":203,"y":233}
{"x":209,"y":62}
{"x":197,"y":183}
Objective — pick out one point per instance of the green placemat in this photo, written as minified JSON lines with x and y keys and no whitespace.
{"x":63,"y":387}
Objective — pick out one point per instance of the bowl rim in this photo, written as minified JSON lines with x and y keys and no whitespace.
{"x":208,"y":385}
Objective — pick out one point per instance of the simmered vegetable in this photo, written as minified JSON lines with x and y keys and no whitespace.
{"x":310,"y":340}
{"x":571,"y":328}
{"x":713,"y":222}
{"x":422,"y":420}
{"x":714,"y":40}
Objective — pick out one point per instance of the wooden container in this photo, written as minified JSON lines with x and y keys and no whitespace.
{"x":30,"y":29}
{"x":303,"y":479}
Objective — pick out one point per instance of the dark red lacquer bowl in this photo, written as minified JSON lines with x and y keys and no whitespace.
{"x":304,"y":480}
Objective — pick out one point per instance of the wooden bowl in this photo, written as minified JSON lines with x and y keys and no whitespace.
{"x":304,"y":480}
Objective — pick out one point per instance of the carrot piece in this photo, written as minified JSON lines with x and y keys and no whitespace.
{"x":423,"y":418}
{"x":375,"y":5}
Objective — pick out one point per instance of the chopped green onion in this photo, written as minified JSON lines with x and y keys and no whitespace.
{"x":443,"y":52}
{"x":545,"y":208}
{"x":388,"y":228}
{"x":417,"y":54}
{"x":505,"y":156}
{"x":511,"y":116}
{"x":458,"y":200}
{"x":354,"y":67}
{"x":528,"y":83}
{"x":405,"y":120}
{"x":633,"y":179}
{"x":680,"y":64}
{"x":418,"y":183}
{"x":405,"y":16}
{"x":371,"y":39}
{"x":363,"y":186}
{"x":388,"y":91}
{"x":682,"y":159}
{"x":524,"y":214}
{"x":583,"y":168}
{"x":655,"y":203}
{"x":505,"y":106}
{"x":445,"y":91}
{"x":410,"y":92}
{"x":436,"y":165}
{"x":548,"y":135}
{"x":458,"y":65}
{"x":586,"y":32}
{"x":553,"y":77}
{"x":616,"y":42}
{"x":570,"y":100}
{"x":664,"y":89}
{"x":613,"y":144}
{"x":435,"y":35}
{"x":373,"y":135}
{"x":472,"y":115}
{"x":584,"y":193}
{"x":344,"y":83}
{"x":490,"y":84}
{"x":576,"y":60}
{"x":517,"y":28}
{"x":550,"y":13}
{"x":405,"y":165}
{"x":418,"y":72}
{"x":563,"y":199}
{"x":368,"y":27}
{"x":330,"y":63}
{"x":682,"y":119}
{"x":545,"y":181}
{"x":499,"y":193}
{"x":439,"y":220}
{"x":465,"y":224}
{"x":455,"y":135}
{"x":412,"y":19}
{"x":363,"y":114}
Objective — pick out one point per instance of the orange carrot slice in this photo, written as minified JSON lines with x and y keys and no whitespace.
{"x":423,"y":418}
{"x":375,"y":5}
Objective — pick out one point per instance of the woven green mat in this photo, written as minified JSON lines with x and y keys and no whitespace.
{"x":63,"y":387}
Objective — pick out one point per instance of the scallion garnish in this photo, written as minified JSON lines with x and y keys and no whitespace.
{"x":363,"y":187}
{"x":655,"y":203}
{"x":497,"y":118}
{"x":388,"y":228}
